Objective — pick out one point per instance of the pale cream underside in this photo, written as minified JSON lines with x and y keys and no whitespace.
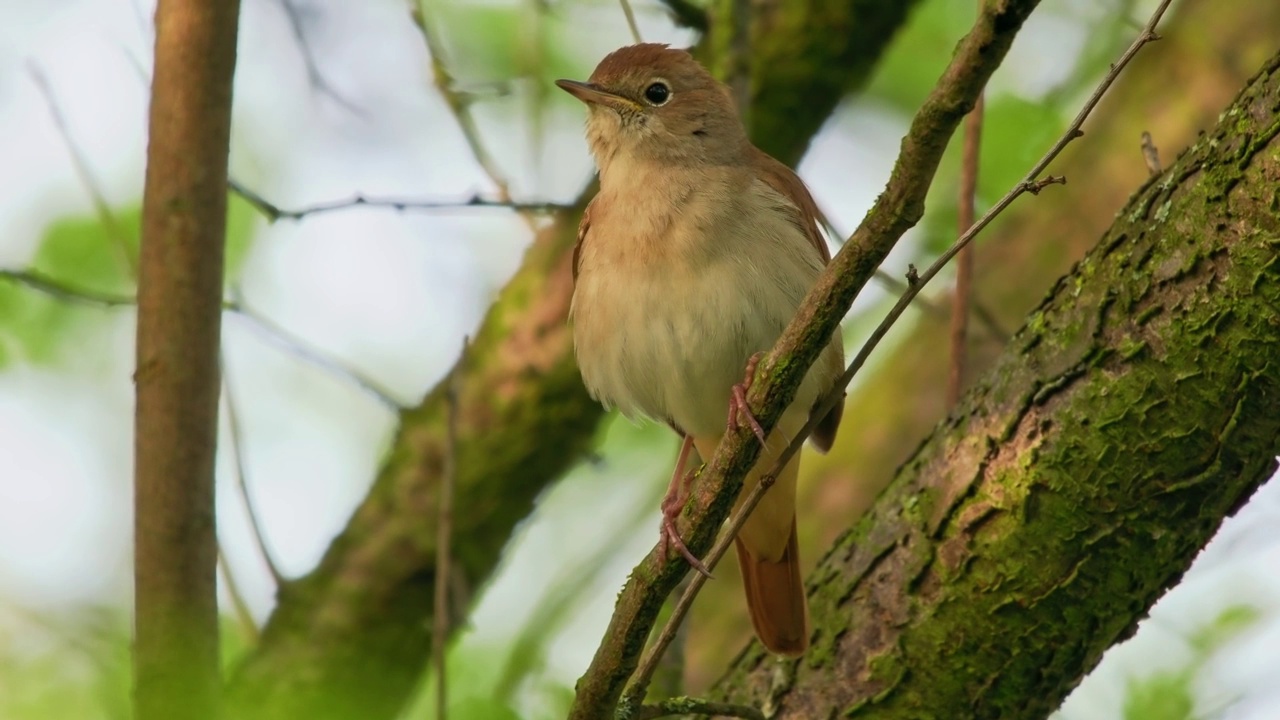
{"x":684,"y":274}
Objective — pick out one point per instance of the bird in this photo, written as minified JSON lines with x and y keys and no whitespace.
{"x":691,"y":259}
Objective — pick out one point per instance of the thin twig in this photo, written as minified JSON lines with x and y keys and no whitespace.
{"x":1150,"y":154}
{"x":274,"y":212}
{"x":444,"y":531}
{"x":294,"y":16}
{"x":695,"y":706}
{"x":46,"y":284}
{"x":894,"y":284}
{"x":1031,"y":183}
{"x":631,"y":21}
{"x":100,"y":206}
{"x":781,"y":370}
{"x":302,"y":349}
{"x":962,"y":299}
{"x":457,"y":102}
{"x":242,"y":483}
{"x":688,"y":14}
{"x":668,"y":677}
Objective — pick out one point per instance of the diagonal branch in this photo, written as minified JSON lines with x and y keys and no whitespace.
{"x":350,"y":639}
{"x":275,"y":213}
{"x":781,"y":370}
{"x":1031,"y":531}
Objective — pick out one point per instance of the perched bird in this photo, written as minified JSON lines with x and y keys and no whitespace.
{"x":691,"y":260}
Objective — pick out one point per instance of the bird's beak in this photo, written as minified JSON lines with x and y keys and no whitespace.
{"x":596,"y":95}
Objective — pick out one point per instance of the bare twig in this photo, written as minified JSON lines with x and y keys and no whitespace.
{"x":302,"y":349}
{"x":1029,"y":184}
{"x":782,"y":369}
{"x":444,"y":533}
{"x":1150,"y":154}
{"x":631,"y":21}
{"x":988,"y":320}
{"x":688,"y":14}
{"x":274,"y":212}
{"x":963,"y":297}
{"x":695,"y":706}
{"x":668,"y":677}
{"x":294,"y":15}
{"x":46,"y":284}
{"x":457,"y":102}
{"x":100,"y":206}
{"x":242,"y":483}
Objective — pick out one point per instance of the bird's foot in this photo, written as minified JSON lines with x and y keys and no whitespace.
{"x":739,"y":410}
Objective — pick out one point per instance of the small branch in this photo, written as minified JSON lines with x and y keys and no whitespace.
{"x":738,"y":451}
{"x":695,"y":706}
{"x":688,"y":14}
{"x":962,"y":299}
{"x":294,"y":15}
{"x":631,"y":21}
{"x":444,"y":533}
{"x":242,"y":486}
{"x":274,"y":212}
{"x":46,"y":284}
{"x":100,"y":206}
{"x":989,"y":324}
{"x":778,"y":376}
{"x":1150,"y":154}
{"x":668,"y":676}
{"x":303,"y":350}
{"x":457,"y":102}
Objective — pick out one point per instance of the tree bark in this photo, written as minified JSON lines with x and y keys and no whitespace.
{"x":351,"y":638}
{"x":1209,"y":52}
{"x":1082,"y":473}
{"x":176,"y":659}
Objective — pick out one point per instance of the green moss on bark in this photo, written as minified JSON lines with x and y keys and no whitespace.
{"x":1078,"y":478}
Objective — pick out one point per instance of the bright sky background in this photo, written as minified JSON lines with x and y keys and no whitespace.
{"x":391,"y":296}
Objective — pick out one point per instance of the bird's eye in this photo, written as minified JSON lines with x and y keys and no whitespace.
{"x":657,"y":94}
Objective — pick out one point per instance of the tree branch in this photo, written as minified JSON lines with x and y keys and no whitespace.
{"x":184,"y":208}
{"x":1031,"y":531}
{"x":275,"y":213}
{"x":781,"y":370}
{"x":340,"y":648}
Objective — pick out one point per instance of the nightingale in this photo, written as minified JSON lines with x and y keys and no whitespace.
{"x":692,"y":258}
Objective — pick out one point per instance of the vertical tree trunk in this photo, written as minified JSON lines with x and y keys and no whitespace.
{"x":176,"y":660}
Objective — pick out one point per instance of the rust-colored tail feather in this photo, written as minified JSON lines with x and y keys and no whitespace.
{"x":775,"y":598}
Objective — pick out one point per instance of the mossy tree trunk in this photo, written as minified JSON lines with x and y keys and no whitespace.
{"x":1074,"y":483}
{"x":1210,"y":54}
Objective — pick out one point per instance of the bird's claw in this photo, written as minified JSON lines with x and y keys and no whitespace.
{"x":739,"y":410}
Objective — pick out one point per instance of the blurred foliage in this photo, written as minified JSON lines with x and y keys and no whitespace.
{"x":89,"y":254}
{"x":80,"y":668}
{"x":1169,"y":695}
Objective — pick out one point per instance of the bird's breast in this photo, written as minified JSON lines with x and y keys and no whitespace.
{"x":669,"y":306}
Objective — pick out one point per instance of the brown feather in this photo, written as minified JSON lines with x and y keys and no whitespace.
{"x":584,"y":225}
{"x":789,"y":185}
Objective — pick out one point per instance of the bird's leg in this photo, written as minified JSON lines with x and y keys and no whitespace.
{"x":738,"y":407}
{"x":672,"y":504}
